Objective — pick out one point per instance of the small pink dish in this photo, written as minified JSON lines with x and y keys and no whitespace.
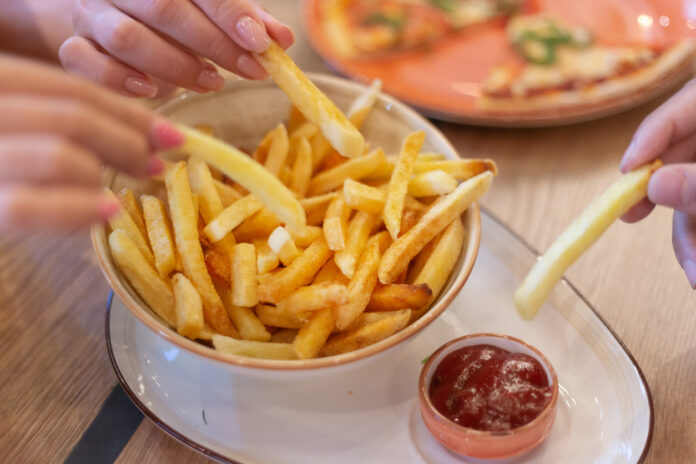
{"x":486,"y":444}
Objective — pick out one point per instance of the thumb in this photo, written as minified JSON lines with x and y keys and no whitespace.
{"x":674,"y":186}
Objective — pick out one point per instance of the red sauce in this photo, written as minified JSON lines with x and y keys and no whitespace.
{"x":488,"y":388}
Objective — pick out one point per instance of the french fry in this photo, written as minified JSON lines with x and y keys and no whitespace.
{"x":579,"y":236}
{"x":295,"y":119}
{"x":419,"y":261}
{"x":243,"y":276}
{"x":227,"y":193}
{"x":206,"y":333}
{"x":189,"y":307}
{"x":159,"y":233}
{"x":244,"y":170}
{"x":361,"y":106}
{"x":282,"y":245}
{"x":260,"y":225}
{"x":312,"y":336}
{"x":461,"y":169}
{"x":274,"y":317}
{"x":371,"y":199}
{"x":278,"y":150}
{"x":299,"y":273}
{"x":431,"y":183}
{"x":330,"y":273}
{"x":128,"y":202}
{"x":302,"y":168}
{"x":311,"y":102}
{"x":152,"y":288}
{"x":316,"y":207}
{"x":305,"y":131}
{"x":284,"y":336}
{"x":189,"y":247}
{"x":305,"y":237}
{"x":365,"y":335}
{"x":266,"y":260}
{"x":429,"y":156}
{"x":353,"y":169}
{"x":314,"y":297}
{"x":253,"y":349}
{"x":359,"y":230}
{"x":206,"y":129}
{"x":409,"y":218}
{"x":231,"y":217}
{"x":122,"y":220}
{"x":261,"y":152}
{"x":393,"y":297}
{"x":369,"y":318}
{"x":440,"y":215}
{"x":218,"y":265}
{"x":336,"y":223}
{"x":244,"y":319}
{"x":398,"y":184}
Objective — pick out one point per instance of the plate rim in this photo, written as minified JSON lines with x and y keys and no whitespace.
{"x":195,"y":446}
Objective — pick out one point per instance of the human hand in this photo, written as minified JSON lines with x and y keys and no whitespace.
{"x":124,"y":44}
{"x":55,"y":132}
{"x":669,"y":133}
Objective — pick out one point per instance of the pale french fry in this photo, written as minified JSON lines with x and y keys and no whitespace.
{"x":302,"y":168}
{"x":398,"y":184}
{"x":305,"y":131}
{"x":336,"y":223}
{"x":330,"y":273}
{"x":253,"y":349}
{"x":359,"y":230}
{"x":461,"y":169}
{"x":365,"y":335}
{"x":227,"y":193}
{"x":312,"y":336}
{"x":371,"y":199}
{"x":243,"y":276}
{"x":440,"y":215}
{"x":305,"y":237}
{"x":368,"y":318}
{"x":231,"y":217}
{"x":189,"y":307}
{"x":579,"y":236}
{"x":244,"y":170}
{"x":314,"y":297}
{"x":393,"y":297}
{"x":278,"y":150}
{"x":159,"y":233}
{"x":218,"y":265}
{"x":244,"y":319}
{"x":284,"y":336}
{"x":299,"y":273}
{"x":361,"y":106}
{"x":152,"y":288}
{"x":311,"y":102}
{"x":128,"y":202}
{"x":260,"y":225}
{"x":282,"y":245}
{"x":353,"y":169}
{"x":189,"y":248}
{"x":266,"y":260}
{"x":431,"y":183}
{"x":429,"y":156}
{"x":273,"y":317}
{"x":122,"y":220}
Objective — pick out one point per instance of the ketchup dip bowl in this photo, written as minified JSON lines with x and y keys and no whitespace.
{"x":486,"y":444}
{"x":241,"y":113}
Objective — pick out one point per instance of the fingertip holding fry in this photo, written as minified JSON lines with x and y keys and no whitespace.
{"x":109,"y":207}
{"x":167,"y":135}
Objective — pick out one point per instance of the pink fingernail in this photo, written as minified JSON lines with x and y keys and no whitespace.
{"x":109,"y":208}
{"x":167,"y":136}
{"x":210,"y":79}
{"x":251,"y":68}
{"x":253,"y":34}
{"x":155,"y":166}
{"x":690,"y":269}
{"x":140,"y":87}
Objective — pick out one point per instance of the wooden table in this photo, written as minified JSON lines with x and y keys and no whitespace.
{"x":55,"y":368}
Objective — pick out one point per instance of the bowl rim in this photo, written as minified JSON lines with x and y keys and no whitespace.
{"x":424,"y":395}
{"x":472,"y":218}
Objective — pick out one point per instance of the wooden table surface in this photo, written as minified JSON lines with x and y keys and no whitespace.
{"x":56,"y":371}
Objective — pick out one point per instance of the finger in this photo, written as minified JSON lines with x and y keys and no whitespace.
{"x":115,"y":143}
{"x":667,"y":125}
{"x":240,"y":21}
{"x":683,"y":151}
{"x":684,"y":242}
{"x":132,"y":43}
{"x":80,"y":56}
{"x":638,"y":211}
{"x":64,"y":208}
{"x":674,"y":186}
{"x":29,"y":77}
{"x":46,"y":160}
{"x":278,"y":31}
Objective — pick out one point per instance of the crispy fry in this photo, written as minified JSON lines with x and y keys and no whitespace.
{"x":312,"y":336}
{"x":313,"y":297}
{"x":128,"y":202}
{"x":232,"y":217}
{"x":440,"y":215}
{"x":368,"y":318}
{"x":253,"y":349}
{"x":330,"y":273}
{"x":295,"y":119}
{"x":371,"y":199}
{"x":359,"y":231}
{"x":186,"y":239}
{"x":260,"y":225}
{"x":274,"y":317}
{"x":122,"y":220}
{"x":299,"y":273}
{"x":400,"y":296}
{"x":461,"y":169}
{"x":243,"y":275}
{"x":398,"y":185}
{"x":284,"y":336}
{"x":282,"y":245}
{"x":580,"y":235}
{"x":244,"y":319}
{"x":266,"y":260}
{"x":311,"y":102}
{"x":354,"y":169}
{"x":429,"y":156}
{"x":218,"y":265}
{"x":302,"y":168}
{"x":261,"y":152}
{"x":409,"y":219}
{"x":159,"y":233}
{"x":305,"y":237}
{"x":365,"y":335}
{"x":336,"y":223}
{"x":189,"y":307}
{"x":431,"y":183}
{"x":316,"y":207}
{"x":152,"y":288}
{"x":419,"y":261}
{"x":278,"y":150}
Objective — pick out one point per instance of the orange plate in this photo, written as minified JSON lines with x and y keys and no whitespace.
{"x":445,"y":79}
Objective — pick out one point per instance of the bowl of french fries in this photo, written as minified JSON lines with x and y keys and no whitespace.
{"x":292,"y":234}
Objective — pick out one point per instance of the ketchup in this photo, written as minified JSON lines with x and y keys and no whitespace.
{"x":488,"y":388}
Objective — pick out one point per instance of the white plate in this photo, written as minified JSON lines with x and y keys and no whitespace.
{"x":368,"y":413}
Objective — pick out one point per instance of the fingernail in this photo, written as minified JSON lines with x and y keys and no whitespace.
{"x":210,"y":79}
{"x":667,"y":187}
{"x":140,"y":87}
{"x":251,"y":68}
{"x":167,"y":136}
{"x":689,"y":267}
{"x":155,"y":166}
{"x":109,"y":207}
{"x":253,"y":34}
{"x":624,"y":166}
